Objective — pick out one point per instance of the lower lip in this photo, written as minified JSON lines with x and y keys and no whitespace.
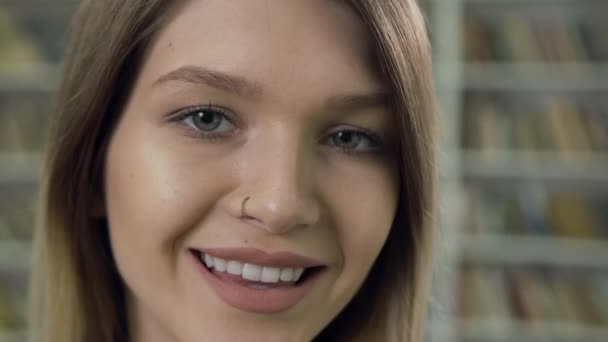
{"x":263,"y":301}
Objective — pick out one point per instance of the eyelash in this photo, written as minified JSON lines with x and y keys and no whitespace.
{"x":375,"y":140}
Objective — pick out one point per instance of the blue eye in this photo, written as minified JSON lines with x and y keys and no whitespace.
{"x":207,"y":121}
{"x":355,"y":141}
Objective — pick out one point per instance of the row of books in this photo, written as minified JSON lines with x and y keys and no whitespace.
{"x":553,"y":123}
{"x":13,"y":291}
{"x":17,"y":49}
{"x":23,"y":122}
{"x":513,"y":37}
{"x":32,"y":34}
{"x":533,"y":295}
{"x":538,"y":212}
{"x":17,"y":208}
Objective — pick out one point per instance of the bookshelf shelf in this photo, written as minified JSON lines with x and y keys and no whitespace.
{"x":528,"y":250}
{"x":19,"y":168}
{"x":38,"y":79}
{"x":536,"y":76}
{"x":504,"y":330}
{"x":15,"y":256}
{"x":528,"y":2}
{"x":536,"y":166}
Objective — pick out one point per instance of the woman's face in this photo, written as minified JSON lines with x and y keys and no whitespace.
{"x":271,"y":100}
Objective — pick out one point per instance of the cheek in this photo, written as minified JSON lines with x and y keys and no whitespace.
{"x":371,"y":217}
{"x":154,"y":197}
{"x":365,"y":207}
{"x":138,"y":196}
{"x":139,"y":186}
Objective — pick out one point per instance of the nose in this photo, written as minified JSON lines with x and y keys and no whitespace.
{"x":277,"y":192}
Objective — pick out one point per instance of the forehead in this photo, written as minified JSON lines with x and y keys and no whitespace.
{"x":285,"y":45}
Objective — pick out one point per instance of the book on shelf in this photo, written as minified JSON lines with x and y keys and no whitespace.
{"x":23,"y":121}
{"x":12,"y":301}
{"x":498,"y":297}
{"x":530,"y":298}
{"x":593,"y":36}
{"x":572,"y":215}
{"x":516,"y":36}
{"x":17,"y":203}
{"x":531,"y":205}
{"x":18,"y":52}
{"x":598,"y":297}
{"x":536,"y":212}
{"x":596,"y":123}
{"x":489,"y":300}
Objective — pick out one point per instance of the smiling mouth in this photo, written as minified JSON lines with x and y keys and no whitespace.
{"x":255,"y":276}
{"x":255,"y":281}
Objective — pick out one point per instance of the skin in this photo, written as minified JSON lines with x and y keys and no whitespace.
{"x":169,"y":188}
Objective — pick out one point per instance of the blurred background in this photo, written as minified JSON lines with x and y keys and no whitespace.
{"x":523,"y":93}
{"x":523,"y":88}
{"x":31,"y":43}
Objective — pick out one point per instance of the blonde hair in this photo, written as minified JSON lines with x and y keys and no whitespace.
{"x":77,"y":293}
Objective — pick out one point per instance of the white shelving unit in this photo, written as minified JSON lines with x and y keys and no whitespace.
{"x":505,"y":331}
{"x":585,"y":171}
{"x":444,"y":28}
{"x":536,"y":76}
{"x":534,"y":250}
{"x":499,"y":330}
{"x":544,"y":167}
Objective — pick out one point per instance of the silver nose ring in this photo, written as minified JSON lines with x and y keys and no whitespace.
{"x":243,"y":212}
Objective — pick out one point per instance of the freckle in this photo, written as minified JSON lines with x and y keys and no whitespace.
{"x":246,"y":241}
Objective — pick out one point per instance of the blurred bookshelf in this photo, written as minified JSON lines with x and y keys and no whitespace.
{"x":523,"y":252}
{"x":31,"y":42}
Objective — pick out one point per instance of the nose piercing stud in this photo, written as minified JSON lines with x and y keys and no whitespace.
{"x":243,"y":213}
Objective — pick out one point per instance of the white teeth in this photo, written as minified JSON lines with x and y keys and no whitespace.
{"x":297,"y":274}
{"x":252,"y":272}
{"x":286,"y":274}
{"x":234,"y":267}
{"x":270,"y":274}
{"x":219,"y":264}
{"x":208,"y":261}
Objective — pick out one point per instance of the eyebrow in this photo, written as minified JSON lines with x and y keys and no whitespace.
{"x":349,"y":103}
{"x":214,"y":79}
{"x":243,"y":87}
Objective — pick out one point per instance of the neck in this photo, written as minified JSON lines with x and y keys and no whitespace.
{"x":143,"y":326}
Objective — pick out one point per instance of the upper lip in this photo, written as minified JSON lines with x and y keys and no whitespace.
{"x":263,"y":258}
